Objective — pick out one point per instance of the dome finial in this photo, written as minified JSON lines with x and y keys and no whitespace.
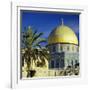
{"x":62,"y":21}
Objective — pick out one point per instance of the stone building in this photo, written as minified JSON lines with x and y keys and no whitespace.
{"x":64,"y":48}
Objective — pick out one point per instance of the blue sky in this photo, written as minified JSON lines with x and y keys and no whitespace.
{"x":47,"y":21}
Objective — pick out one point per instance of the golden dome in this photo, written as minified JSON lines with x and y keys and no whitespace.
{"x":62,"y":34}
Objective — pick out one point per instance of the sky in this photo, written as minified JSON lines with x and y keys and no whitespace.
{"x":46,"y":21}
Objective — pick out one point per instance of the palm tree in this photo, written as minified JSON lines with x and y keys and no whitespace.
{"x":43,"y":55}
{"x":32,"y":40}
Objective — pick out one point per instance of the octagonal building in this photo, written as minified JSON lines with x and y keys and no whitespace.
{"x":63,"y":47}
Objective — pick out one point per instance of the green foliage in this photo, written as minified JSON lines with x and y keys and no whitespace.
{"x":31,"y":40}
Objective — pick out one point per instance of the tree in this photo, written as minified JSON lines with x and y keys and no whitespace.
{"x":31,"y":40}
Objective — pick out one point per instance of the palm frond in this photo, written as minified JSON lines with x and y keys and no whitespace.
{"x":36,"y":36}
{"x":34,"y":33}
{"x":31,"y":39}
{"x":38,"y":42}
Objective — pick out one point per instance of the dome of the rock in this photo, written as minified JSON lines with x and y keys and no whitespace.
{"x":62,"y":34}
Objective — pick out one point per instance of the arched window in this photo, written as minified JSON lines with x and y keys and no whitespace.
{"x":61,"y":48}
{"x":52,"y":64}
{"x":61,"y":63}
{"x":57,"y":63}
{"x":68,"y":62}
{"x":67,"y":48}
{"x":72,"y":48}
{"x":76,"y":61}
{"x":54,"y":48}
